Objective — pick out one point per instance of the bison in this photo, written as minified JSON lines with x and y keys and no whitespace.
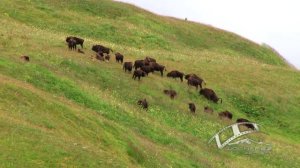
{"x":194,"y":82}
{"x":171,"y":93}
{"x":127,"y":66}
{"x":72,"y":44}
{"x":25,"y":58}
{"x":210,"y":95}
{"x":158,"y":67}
{"x":148,"y":60}
{"x":76,"y":39}
{"x":101,"y":48}
{"x":225,"y":114}
{"x":176,"y":74}
{"x":245,"y":120}
{"x":107,"y":57}
{"x":147,"y":69}
{"x":138,"y":64}
{"x":138,"y":74}
{"x":119,"y":57}
{"x":143,"y":103}
{"x":192,"y":107}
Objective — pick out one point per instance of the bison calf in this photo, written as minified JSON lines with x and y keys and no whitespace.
{"x":127,"y":66}
{"x":225,"y":114}
{"x":143,"y":103}
{"x":210,"y":95}
{"x":171,"y":93}
{"x":138,"y":74}
{"x":192,"y":107}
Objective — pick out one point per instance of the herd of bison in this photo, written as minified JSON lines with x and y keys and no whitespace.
{"x":149,"y":65}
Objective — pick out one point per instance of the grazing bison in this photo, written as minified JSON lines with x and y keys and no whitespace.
{"x":225,"y":114}
{"x":192,"y":107}
{"x":101,"y":48}
{"x":72,"y":44}
{"x":245,"y":120}
{"x":127,"y":66}
{"x":210,"y":95}
{"x":176,"y":74}
{"x":148,"y":60}
{"x":138,"y":73}
{"x":143,"y":103}
{"x":25,"y":58}
{"x":77,"y":40}
{"x":208,"y":110}
{"x":119,"y":57}
{"x":80,"y":51}
{"x":147,"y":69}
{"x":171,"y":93}
{"x":194,"y":82}
{"x":158,"y":67}
{"x":138,"y":64}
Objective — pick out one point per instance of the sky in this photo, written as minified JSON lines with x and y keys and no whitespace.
{"x":274,"y":22}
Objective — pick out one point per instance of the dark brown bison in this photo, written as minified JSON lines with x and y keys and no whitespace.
{"x":158,"y":67}
{"x":148,"y":60}
{"x":80,"y":51}
{"x":239,"y":120}
{"x":138,"y":64}
{"x":119,"y":57}
{"x":143,"y":103}
{"x":147,"y":69}
{"x":127,"y":66}
{"x":138,"y":74}
{"x":25,"y":58}
{"x":101,"y":48}
{"x":77,"y":40}
{"x":210,"y":95}
{"x":72,"y":44}
{"x":192,"y":107}
{"x":176,"y":74}
{"x":208,"y":110}
{"x":194,"y":80}
{"x":225,"y":114}
{"x":171,"y":93}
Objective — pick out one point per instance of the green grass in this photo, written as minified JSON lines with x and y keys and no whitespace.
{"x":64,"y":109}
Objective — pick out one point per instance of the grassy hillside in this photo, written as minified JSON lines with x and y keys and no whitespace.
{"x":64,"y":109}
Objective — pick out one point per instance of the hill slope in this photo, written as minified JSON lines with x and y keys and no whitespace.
{"x":63,"y":109}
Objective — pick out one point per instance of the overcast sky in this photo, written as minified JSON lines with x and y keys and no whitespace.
{"x":274,"y":22}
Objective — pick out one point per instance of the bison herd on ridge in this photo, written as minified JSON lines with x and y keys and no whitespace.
{"x":143,"y":67}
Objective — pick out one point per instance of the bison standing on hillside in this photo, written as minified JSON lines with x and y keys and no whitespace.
{"x":176,"y":74}
{"x":194,"y":80}
{"x":127,"y":66}
{"x":119,"y":57}
{"x":101,"y":48}
{"x":138,"y":74}
{"x":138,"y":64}
{"x":72,"y":44}
{"x":25,"y":58}
{"x":143,"y":103}
{"x":76,"y":39}
{"x":147,"y":69}
{"x":158,"y":67}
{"x":210,"y":95}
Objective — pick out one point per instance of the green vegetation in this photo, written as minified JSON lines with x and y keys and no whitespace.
{"x":64,"y":109}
